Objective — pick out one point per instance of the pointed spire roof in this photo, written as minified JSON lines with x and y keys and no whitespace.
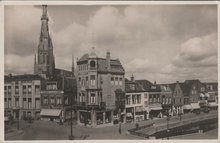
{"x":44,"y":14}
{"x":93,"y":54}
{"x":44,"y":26}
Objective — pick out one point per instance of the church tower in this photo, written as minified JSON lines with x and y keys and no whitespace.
{"x":44,"y":63}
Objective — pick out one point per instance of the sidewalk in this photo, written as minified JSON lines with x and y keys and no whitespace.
{"x":12,"y":133}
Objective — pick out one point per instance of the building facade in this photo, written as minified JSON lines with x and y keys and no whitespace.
{"x":153,"y":96}
{"x":59,"y":90}
{"x":177,"y":98}
{"x":136,"y":105}
{"x":192,"y":90}
{"x":166,"y":99}
{"x":57,"y":95}
{"x":97,"y":82}
{"x":212,"y":95}
{"x":22,"y":96}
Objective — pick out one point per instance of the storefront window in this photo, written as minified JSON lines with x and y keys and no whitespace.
{"x":92,"y":98}
{"x":24,"y":89}
{"x":138,"y":99}
{"x":92,"y":80}
{"x":16,"y":90}
{"x":112,"y":80}
{"x":29,"y":89}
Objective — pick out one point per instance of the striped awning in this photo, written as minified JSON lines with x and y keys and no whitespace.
{"x":156,"y":107}
{"x":202,"y":95}
{"x":195,"y":105}
{"x":139,"y":109}
{"x":129,"y":114}
{"x":187,"y":107}
{"x":50,"y":112}
{"x":207,"y":95}
{"x":213,"y":104}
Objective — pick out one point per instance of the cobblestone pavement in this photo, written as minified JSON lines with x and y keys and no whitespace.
{"x":43,"y":130}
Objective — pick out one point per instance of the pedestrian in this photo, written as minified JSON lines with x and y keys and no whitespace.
{"x":119,"y":130}
{"x":137,"y":125}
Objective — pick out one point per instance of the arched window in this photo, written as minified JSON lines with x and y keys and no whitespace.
{"x":92,"y":64}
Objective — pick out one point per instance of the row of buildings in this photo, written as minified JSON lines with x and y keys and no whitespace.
{"x":146,"y":100}
{"x":96,"y":91}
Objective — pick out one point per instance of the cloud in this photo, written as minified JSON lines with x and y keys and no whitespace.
{"x":198,"y":51}
{"x":22,"y":28}
{"x":12,"y":64}
{"x":151,"y":41}
{"x":197,"y":59}
{"x":139,"y":66}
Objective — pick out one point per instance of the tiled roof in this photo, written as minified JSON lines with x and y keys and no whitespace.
{"x":187,"y":85}
{"x":115,"y":64}
{"x":62,"y":72}
{"x":146,"y":85}
{"x":165,"y":88}
{"x":67,"y":84}
{"x":22,"y":77}
{"x":84,"y":57}
{"x":137,"y":87}
{"x":172,"y":86}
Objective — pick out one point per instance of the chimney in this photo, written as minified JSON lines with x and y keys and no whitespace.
{"x":132,"y":77}
{"x":108,"y":59}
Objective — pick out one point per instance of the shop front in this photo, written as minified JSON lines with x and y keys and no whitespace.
{"x":213,"y":106}
{"x":129,"y":115}
{"x":139,"y":113}
{"x":195,"y":108}
{"x":95,"y":118}
{"x":155,"y":111}
{"x":187,"y":108}
{"x":167,"y":108}
{"x":51,"y":115}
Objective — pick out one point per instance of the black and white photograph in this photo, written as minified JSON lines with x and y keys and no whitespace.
{"x":110,"y":71}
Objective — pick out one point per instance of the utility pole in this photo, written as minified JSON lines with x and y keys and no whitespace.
{"x":168,"y":131}
{"x":71,"y":137}
{"x":18,"y":119}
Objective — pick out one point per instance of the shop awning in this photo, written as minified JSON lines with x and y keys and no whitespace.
{"x":187,"y":107}
{"x":195,"y":105}
{"x":129,"y":114}
{"x":156,"y":107}
{"x":139,"y":109}
{"x":50,"y":112}
{"x":202,"y":95}
{"x":207,"y":95}
{"x":213,"y":104}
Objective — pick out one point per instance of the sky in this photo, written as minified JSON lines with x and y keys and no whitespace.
{"x":162,"y":43}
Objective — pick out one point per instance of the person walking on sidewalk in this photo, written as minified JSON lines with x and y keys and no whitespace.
{"x":119,"y":130}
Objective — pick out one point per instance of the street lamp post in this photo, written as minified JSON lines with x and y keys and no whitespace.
{"x":71,"y":137}
{"x":17,"y":116}
{"x":168,"y":118}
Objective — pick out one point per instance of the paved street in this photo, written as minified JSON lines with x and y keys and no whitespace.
{"x":42,"y":130}
{"x":213,"y":134}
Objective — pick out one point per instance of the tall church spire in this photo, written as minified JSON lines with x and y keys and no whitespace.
{"x":45,"y":59}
